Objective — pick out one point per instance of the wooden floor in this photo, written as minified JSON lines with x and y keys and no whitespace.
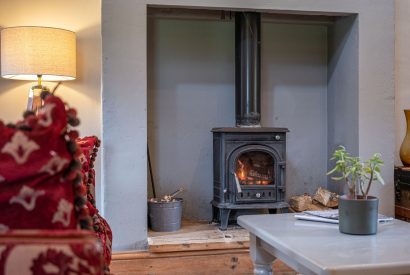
{"x":198,"y":248}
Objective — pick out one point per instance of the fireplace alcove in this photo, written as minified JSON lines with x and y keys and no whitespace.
{"x":191,"y":90}
{"x":312,"y":83}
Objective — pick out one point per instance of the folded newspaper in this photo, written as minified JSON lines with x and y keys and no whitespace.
{"x":329,"y":216}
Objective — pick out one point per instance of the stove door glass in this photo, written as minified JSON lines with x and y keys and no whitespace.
{"x":255,"y":168}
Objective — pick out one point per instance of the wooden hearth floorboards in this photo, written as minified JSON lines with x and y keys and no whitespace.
{"x":198,"y":236}
{"x":197,"y":248}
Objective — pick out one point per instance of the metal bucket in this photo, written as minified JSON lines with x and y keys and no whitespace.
{"x":165,"y":216}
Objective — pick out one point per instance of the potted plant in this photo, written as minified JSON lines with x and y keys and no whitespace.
{"x":358,"y":212}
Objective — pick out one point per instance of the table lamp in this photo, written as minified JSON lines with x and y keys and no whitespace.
{"x":38,"y":53}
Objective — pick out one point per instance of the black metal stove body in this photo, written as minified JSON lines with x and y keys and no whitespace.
{"x":249,"y":170}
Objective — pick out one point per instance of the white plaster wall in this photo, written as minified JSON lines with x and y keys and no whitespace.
{"x":128,"y":16}
{"x":190,"y":91}
{"x":124,"y":66}
{"x":84,"y":93}
{"x":402,"y":59}
{"x":124,"y":25}
{"x":376,"y":93}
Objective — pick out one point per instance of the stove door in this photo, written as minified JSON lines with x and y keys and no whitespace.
{"x":255,"y":172}
{"x":255,"y":168}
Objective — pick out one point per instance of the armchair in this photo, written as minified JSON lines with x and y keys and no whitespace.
{"x":48,"y":221}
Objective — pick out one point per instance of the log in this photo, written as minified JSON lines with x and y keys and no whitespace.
{"x":326,"y":198}
{"x":300,"y":203}
{"x":316,"y":206}
{"x":334,"y":202}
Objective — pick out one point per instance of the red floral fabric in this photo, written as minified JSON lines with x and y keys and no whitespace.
{"x":89,"y":147}
{"x":50,"y":252}
{"x":36,"y":172}
{"x":104,"y":234}
{"x":42,"y":187}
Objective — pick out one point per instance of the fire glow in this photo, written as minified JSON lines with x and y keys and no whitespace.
{"x":248,"y":176}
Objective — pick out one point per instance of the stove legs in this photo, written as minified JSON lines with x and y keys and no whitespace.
{"x":278,"y":210}
{"x":221,"y":215}
{"x":215,"y":214}
{"x":273,"y":211}
{"x":222,"y":211}
{"x":224,"y":218}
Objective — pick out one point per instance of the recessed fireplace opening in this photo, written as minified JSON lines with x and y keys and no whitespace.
{"x":308,"y":74}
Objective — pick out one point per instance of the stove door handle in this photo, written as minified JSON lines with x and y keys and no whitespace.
{"x":238,"y":185}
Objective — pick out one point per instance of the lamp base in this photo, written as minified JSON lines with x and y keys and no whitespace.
{"x":34,"y":98}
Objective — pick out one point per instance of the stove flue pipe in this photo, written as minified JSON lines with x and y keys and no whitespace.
{"x":247,"y":69}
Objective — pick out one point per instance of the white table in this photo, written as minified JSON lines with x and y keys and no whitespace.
{"x":319,"y":248}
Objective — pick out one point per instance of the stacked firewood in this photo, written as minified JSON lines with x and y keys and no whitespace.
{"x":323,"y":199}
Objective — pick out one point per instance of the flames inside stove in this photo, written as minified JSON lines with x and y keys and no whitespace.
{"x":255,"y":168}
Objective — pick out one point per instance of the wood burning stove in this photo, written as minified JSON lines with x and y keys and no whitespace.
{"x":249,"y":160}
{"x":249,"y":170}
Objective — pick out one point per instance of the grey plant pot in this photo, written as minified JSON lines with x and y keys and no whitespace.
{"x":358,"y":216}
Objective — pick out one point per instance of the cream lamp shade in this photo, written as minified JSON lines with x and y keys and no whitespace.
{"x":31,"y":52}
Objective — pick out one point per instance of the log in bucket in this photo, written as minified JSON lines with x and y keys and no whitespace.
{"x":164,"y":215}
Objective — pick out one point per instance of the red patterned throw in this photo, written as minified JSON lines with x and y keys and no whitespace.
{"x":46,"y":252}
{"x":40,"y":182}
{"x":89,"y":147}
{"x":43,"y":187}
